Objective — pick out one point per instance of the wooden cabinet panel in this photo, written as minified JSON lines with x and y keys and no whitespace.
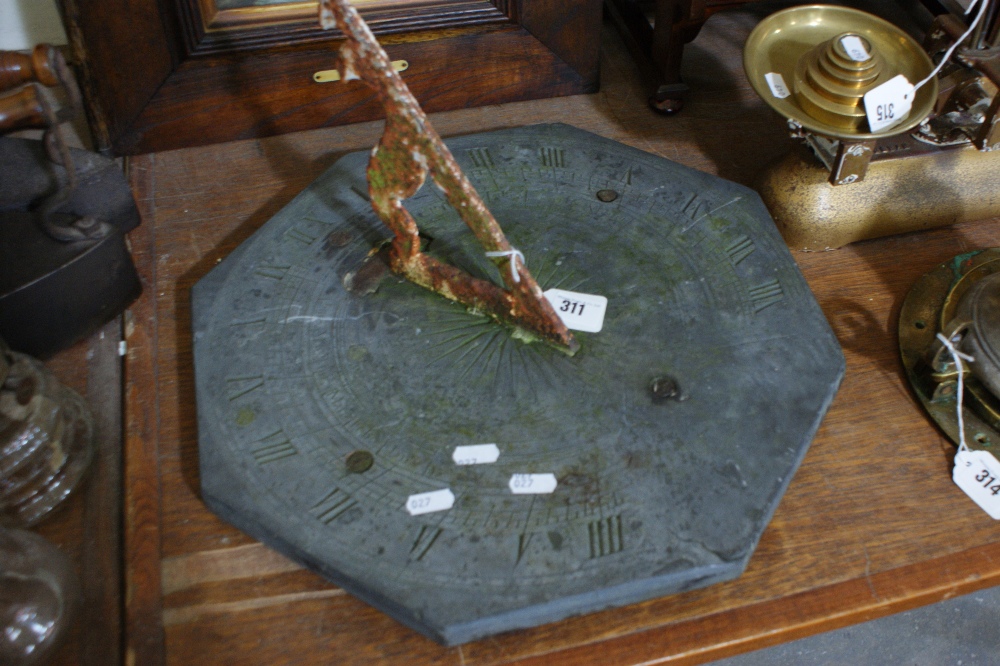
{"x":163,"y":74}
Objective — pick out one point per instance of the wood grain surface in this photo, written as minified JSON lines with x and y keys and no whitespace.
{"x":871,"y":523}
{"x":87,"y":526}
{"x":154,"y":79}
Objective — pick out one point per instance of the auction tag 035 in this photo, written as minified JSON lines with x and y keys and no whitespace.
{"x":977,"y":473}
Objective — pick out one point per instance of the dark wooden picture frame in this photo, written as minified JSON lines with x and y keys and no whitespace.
{"x":165,"y":74}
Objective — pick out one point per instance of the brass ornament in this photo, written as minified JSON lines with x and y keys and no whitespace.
{"x":961,"y":300}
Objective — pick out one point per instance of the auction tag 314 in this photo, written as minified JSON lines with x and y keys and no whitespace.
{"x":580,"y":312}
{"x":977,"y":473}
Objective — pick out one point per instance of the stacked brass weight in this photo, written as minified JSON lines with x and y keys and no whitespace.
{"x":46,"y":439}
{"x":846,"y":182}
{"x":830,"y":85}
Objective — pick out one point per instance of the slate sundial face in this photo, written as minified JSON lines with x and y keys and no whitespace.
{"x":322,"y":410}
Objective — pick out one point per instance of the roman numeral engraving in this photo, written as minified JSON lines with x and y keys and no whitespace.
{"x":605,"y":536}
{"x":766,"y":294}
{"x":740,"y":249}
{"x":304,"y":236}
{"x":696,"y":208}
{"x":553,"y":157}
{"x":237,"y":387}
{"x":271,"y":271}
{"x":481,"y":158}
{"x":273,"y":448}
{"x":333,"y":506}
{"x":424,"y":541}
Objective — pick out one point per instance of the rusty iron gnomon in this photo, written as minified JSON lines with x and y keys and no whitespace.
{"x":410,"y":149}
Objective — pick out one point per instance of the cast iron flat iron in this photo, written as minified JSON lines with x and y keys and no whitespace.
{"x":65,"y":269}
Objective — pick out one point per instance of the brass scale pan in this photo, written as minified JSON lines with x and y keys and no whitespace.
{"x":802,"y":44}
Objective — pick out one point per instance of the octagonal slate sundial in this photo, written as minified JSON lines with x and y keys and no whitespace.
{"x":670,"y":436}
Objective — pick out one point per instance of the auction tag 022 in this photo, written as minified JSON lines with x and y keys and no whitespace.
{"x":977,"y":473}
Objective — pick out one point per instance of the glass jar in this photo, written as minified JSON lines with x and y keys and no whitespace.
{"x":39,"y":596}
{"x":46,"y":439}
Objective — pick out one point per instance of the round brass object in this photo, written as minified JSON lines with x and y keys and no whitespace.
{"x":960,"y":299}
{"x":830,"y":86}
{"x":803,"y":45}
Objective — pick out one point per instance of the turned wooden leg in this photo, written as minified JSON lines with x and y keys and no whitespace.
{"x":676,"y":22}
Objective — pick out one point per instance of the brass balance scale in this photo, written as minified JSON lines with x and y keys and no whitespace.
{"x":850,"y":183}
{"x":937,"y":166}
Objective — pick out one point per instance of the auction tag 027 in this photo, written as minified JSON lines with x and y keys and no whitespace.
{"x":436,"y":500}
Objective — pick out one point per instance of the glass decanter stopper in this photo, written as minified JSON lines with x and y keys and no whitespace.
{"x":46,"y":439}
{"x":39,"y":595}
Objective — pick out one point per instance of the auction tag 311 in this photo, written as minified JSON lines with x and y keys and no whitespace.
{"x":580,"y":312}
{"x":889,"y":103}
{"x":977,"y":473}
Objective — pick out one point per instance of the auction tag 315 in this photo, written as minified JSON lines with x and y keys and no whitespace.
{"x":580,"y":312}
{"x":977,"y":473}
{"x":889,"y":103}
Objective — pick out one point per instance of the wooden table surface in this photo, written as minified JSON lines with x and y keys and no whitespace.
{"x":871,"y":523}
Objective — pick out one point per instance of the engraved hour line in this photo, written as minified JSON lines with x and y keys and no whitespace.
{"x":262,"y":320}
{"x":333,"y":506}
{"x":481,"y":158}
{"x":553,"y":157}
{"x":524,"y":539}
{"x":697,"y":209}
{"x":271,"y":271}
{"x":301,"y":235}
{"x":361,"y":193}
{"x":272,"y":448}
{"x":766,"y":294}
{"x":606,"y":536}
{"x":627,"y":180}
{"x":740,"y":249}
{"x":425,"y":539}
{"x":237,"y":387}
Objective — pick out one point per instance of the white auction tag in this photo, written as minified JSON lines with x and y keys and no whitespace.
{"x":889,"y":103}
{"x":477,"y":454}
{"x":855,"y":48}
{"x":776,"y":82}
{"x":436,"y":500}
{"x":977,"y":473}
{"x":532,"y":484}
{"x":580,"y":312}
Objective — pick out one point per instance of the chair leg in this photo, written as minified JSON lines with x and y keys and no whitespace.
{"x":676,"y":23}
